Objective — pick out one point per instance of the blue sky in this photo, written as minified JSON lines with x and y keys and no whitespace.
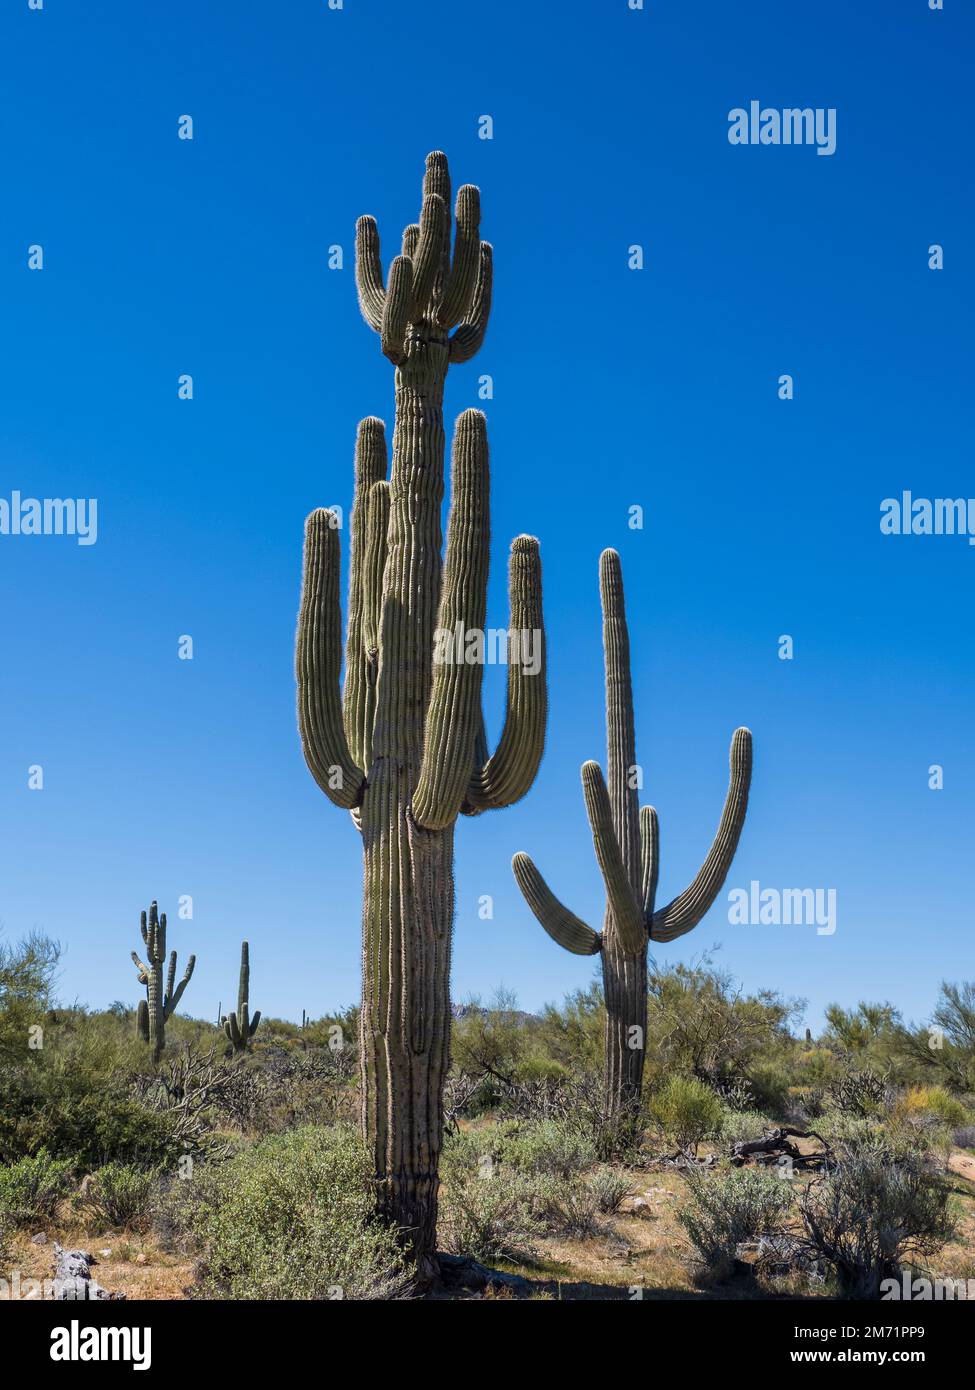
{"x":612,"y":388}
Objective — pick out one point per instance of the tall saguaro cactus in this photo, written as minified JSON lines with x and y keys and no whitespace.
{"x":403,"y":746}
{"x":626,"y":842}
{"x":159,"y":1004}
{"x":239,"y":1026}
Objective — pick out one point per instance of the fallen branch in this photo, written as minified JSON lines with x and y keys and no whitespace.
{"x":776,"y":1144}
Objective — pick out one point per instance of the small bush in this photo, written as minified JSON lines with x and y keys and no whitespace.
{"x":769,"y":1084}
{"x":742,"y":1126}
{"x":610,"y":1188}
{"x":565,"y":1208}
{"x":489,"y":1217}
{"x":550,"y":1148}
{"x":870,"y":1214}
{"x":31,"y":1188}
{"x":687,"y":1111}
{"x":930,"y":1103}
{"x":119,"y":1196}
{"x":293,"y":1218}
{"x":725,"y":1211}
{"x":964,"y":1138}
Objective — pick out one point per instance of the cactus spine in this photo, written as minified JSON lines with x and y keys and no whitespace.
{"x":626,"y":843}
{"x":160,"y":1004}
{"x":403,"y":746}
{"x":240,"y":1027}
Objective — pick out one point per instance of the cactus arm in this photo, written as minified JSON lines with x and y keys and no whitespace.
{"x":369,"y":272}
{"x":142,"y":969}
{"x":145,"y":929}
{"x":459,"y":291}
{"x":317,"y":661}
{"x":233,"y":1031}
{"x":455,"y":700}
{"x":436,"y":180}
{"x":254,"y":1022}
{"x":244,"y":982}
{"x":620,"y":898}
{"x":174,"y":996}
{"x":142,"y":1020}
{"x":396,"y":315}
{"x":620,"y":733}
{"x":170,"y":981}
{"x":370,"y":467}
{"x":374,"y":562}
{"x":411,"y":235}
{"x":428,"y":260}
{"x":563,"y":926}
{"x":470,"y":335}
{"x":649,"y":859}
{"x":506,"y":776}
{"x":685,"y":911}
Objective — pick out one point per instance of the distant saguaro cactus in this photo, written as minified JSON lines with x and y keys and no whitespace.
{"x":403,"y":747}
{"x":159,"y":1005}
{"x":239,"y":1026}
{"x":626,"y":842}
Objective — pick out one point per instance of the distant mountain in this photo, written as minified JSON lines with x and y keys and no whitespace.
{"x":465,"y":1011}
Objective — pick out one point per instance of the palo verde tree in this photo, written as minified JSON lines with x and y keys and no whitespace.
{"x":158,"y":1005}
{"x":626,"y":841}
{"x":402,"y":746}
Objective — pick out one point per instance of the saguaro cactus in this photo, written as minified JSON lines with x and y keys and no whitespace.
{"x":239,"y":1026}
{"x":626,"y":842}
{"x":159,"y":1005}
{"x":403,"y":747}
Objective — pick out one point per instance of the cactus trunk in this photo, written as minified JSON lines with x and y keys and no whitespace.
{"x":408,"y":883}
{"x":625,"y":996}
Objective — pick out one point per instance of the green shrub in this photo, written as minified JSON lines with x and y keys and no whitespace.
{"x":565,"y":1207}
{"x":293,"y":1218}
{"x":932,"y":1104}
{"x":742,"y":1126}
{"x":119,"y":1196}
{"x":725,"y":1211}
{"x":687,"y":1111}
{"x":610,"y":1188}
{"x":31,"y":1188}
{"x":769,"y":1084}
{"x":549,"y":1147}
{"x":490,"y":1216}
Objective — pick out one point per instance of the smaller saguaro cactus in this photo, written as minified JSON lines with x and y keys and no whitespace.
{"x":625,"y":837}
{"x":159,"y":1004}
{"x":240,"y":1027}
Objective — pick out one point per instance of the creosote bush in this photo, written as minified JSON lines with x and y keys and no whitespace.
{"x":119,"y":1196}
{"x":31,"y":1188}
{"x":687,"y":1111}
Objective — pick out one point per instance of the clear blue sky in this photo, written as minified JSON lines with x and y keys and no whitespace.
{"x":612,"y":388}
